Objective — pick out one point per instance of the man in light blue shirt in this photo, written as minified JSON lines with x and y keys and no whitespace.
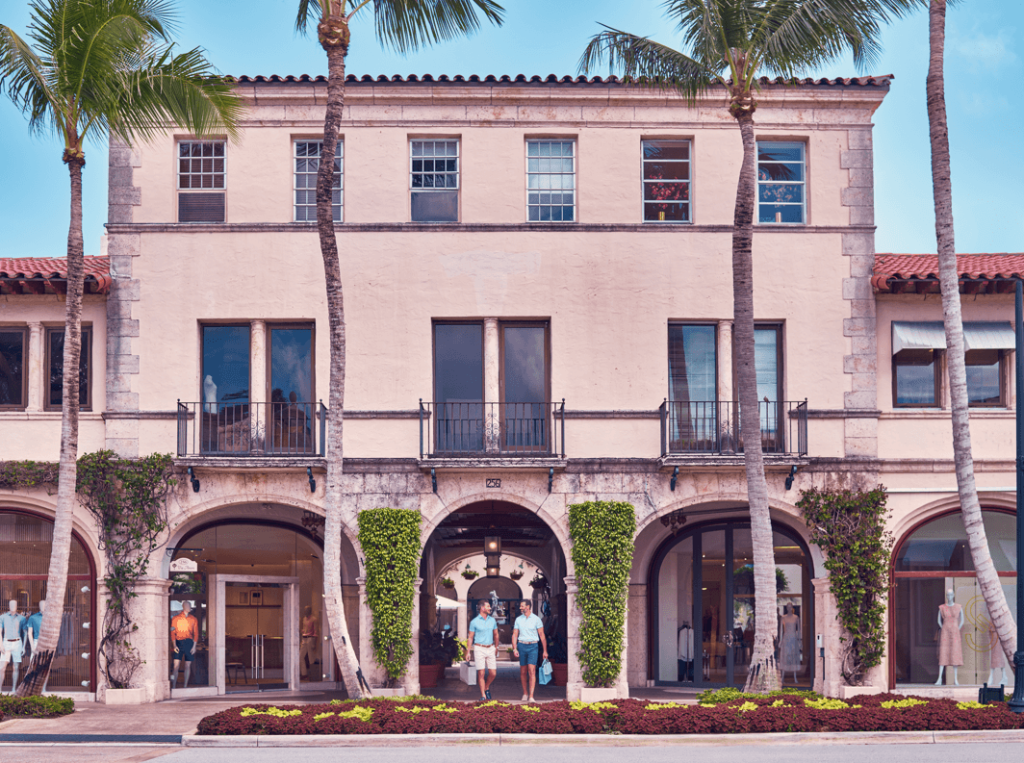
{"x":527,"y":641}
{"x":483,"y":645}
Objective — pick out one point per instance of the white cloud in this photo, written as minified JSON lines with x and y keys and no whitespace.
{"x":980,"y":51}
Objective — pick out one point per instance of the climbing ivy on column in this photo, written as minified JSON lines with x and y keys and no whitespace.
{"x":602,"y":553}
{"x":390,"y":540}
{"x":849,"y":527}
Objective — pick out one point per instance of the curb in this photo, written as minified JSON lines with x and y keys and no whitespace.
{"x":604,"y":740}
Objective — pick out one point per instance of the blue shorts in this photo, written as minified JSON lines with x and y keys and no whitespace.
{"x":184,"y":650}
{"x":528,"y":654}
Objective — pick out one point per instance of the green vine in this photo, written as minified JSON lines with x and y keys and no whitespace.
{"x":21,"y":475}
{"x":390,"y":540}
{"x":602,"y":552}
{"x":128,"y":498}
{"x":849,"y":527}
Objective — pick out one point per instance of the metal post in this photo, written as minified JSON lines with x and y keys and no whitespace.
{"x":1017,"y":703}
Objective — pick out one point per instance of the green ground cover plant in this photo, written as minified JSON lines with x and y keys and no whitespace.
{"x":781,"y":712}
{"x":35,"y":707}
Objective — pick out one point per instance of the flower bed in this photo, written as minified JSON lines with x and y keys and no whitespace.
{"x":35,"y":707}
{"x":778,"y":713}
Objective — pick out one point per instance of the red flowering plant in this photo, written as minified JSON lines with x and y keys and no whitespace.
{"x":674,"y":191}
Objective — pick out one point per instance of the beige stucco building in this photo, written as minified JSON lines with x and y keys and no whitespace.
{"x":538,"y":304}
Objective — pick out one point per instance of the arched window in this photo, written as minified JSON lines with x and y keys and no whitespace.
{"x":930,"y":561}
{"x":25,"y":542}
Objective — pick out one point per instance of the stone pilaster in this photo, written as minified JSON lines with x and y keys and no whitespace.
{"x":411,"y":679}
{"x":371,"y":670}
{"x":574,"y":685}
{"x":36,"y":359}
{"x":636,"y":665}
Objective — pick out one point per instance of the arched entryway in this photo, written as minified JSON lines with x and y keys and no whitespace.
{"x":255,"y":586}
{"x":25,"y":542}
{"x":931,"y":559}
{"x":701,"y":600}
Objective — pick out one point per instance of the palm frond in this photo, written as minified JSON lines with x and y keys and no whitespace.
{"x":646,"y":62}
{"x":23,"y":78}
{"x":305,"y":10}
{"x":407,"y":25}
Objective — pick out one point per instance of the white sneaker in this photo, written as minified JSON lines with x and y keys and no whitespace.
{"x":524,"y":699}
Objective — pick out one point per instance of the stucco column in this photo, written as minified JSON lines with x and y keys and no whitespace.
{"x":259,"y":416}
{"x":574,"y":686}
{"x":463,"y":620}
{"x":638,"y":640}
{"x":411,"y":679}
{"x":36,"y":355}
{"x":725,"y":389}
{"x":492,"y":384}
{"x":371,"y":670}
{"x":827,"y":670}
{"x":150,"y":611}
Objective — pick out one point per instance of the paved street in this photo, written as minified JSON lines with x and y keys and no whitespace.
{"x":726,"y":753}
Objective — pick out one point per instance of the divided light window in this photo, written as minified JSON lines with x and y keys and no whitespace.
{"x":201,"y":181}
{"x":434,"y":180}
{"x":781,"y":183}
{"x":666,"y":181}
{"x":550,"y":181}
{"x":13,"y":375}
{"x":55,"y":369}
{"x":307,"y":165}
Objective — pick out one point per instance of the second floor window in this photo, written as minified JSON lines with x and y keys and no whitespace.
{"x":13,"y":374}
{"x":307,"y":165}
{"x":201,"y":181}
{"x":55,"y":369}
{"x":666,"y":181}
{"x":781,"y":183}
{"x":550,"y":181}
{"x":434,"y":180}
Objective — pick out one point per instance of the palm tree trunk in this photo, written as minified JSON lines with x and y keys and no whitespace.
{"x":763,"y":675}
{"x":970,"y":508}
{"x":57,"y":575}
{"x":333,"y":34}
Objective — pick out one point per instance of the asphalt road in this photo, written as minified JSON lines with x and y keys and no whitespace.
{"x":726,"y":753}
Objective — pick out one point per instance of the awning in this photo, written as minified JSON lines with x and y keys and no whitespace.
{"x":931,"y":335}
{"x":443,"y":603}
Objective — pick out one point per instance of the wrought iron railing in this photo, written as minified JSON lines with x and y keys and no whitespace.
{"x":252,"y":429}
{"x":713,"y":427}
{"x":492,"y":429}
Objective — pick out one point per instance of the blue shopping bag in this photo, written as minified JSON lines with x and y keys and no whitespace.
{"x":545,"y":672}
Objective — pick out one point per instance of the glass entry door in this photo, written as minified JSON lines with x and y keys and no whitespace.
{"x":254,"y":643}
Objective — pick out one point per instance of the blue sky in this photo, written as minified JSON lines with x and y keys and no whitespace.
{"x":983,"y":61}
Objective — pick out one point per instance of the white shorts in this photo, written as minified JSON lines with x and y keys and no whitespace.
{"x":485,"y":657}
{"x":11,"y":651}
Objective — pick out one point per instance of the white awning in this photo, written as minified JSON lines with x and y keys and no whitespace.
{"x":443,"y":603}
{"x":931,"y":335}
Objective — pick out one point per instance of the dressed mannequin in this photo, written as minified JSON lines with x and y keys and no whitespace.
{"x":210,"y":394}
{"x":789,"y":642}
{"x":309,"y":632}
{"x":684,"y":640}
{"x":997,"y":660}
{"x":12,"y":643}
{"x":33,"y":625}
{"x":184,"y":637}
{"x":951,"y":653}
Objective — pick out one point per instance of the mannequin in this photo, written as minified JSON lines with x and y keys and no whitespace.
{"x":997,"y":660}
{"x":210,"y":394}
{"x":184,"y":637}
{"x":684,"y":639}
{"x":789,"y":641}
{"x":33,"y":624}
{"x":12,"y":644}
{"x":951,"y":620}
{"x":309,"y":632}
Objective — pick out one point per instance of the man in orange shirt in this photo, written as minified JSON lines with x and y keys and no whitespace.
{"x":184,"y":635}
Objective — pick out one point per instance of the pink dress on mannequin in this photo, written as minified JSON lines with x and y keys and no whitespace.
{"x":950,"y":649}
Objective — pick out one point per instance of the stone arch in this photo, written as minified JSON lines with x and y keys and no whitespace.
{"x":948,"y":503}
{"x":82,"y":523}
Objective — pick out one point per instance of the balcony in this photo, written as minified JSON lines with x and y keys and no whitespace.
{"x":712,"y":428}
{"x":514,"y":431}
{"x":251,"y":430}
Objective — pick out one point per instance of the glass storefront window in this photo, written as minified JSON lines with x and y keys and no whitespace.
{"x":25,"y":542}
{"x":929,"y":563}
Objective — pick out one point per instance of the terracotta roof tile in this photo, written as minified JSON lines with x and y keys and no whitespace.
{"x":551,"y":79}
{"x":894,"y":272}
{"x":45,"y":271}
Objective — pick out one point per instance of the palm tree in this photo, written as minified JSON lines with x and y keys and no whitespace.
{"x":98,"y":67}
{"x":942,"y":189}
{"x":729,"y":44}
{"x":403,"y":25}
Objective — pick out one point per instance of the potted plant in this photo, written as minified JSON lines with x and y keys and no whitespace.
{"x":469,"y":573}
{"x":539,"y":581}
{"x":432,"y":658}
{"x":447,"y":583}
{"x":516,"y":574}
{"x":559,"y":658}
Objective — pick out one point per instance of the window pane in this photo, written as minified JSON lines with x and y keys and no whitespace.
{"x":12,"y":368}
{"x":676,"y":655}
{"x":307,"y":165}
{"x":458,"y":362}
{"x":225,"y":367}
{"x":780,"y":213}
{"x":56,"y":371}
{"x":435,"y":207}
{"x":666,"y":149}
{"x":983,"y":378}
{"x":915,"y":377}
{"x":525,"y":379}
{"x":781,"y":177}
{"x":692,"y":391}
{"x":553,"y":168}
{"x":291,"y":365}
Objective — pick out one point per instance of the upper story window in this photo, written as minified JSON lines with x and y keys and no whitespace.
{"x":13,"y":374}
{"x":551,"y":180}
{"x":918,"y":351}
{"x":434,"y":180}
{"x":307,"y":165}
{"x":781,"y":182}
{"x":55,"y":369}
{"x":666,"y":181}
{"x":201,"y":180}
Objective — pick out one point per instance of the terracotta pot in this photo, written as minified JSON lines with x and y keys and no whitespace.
{"x":559,"y":673}
{"x":428,"y":675}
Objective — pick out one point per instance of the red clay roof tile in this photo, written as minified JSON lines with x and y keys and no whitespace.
{"x":97,"y":270}
{"x":891,"y":269}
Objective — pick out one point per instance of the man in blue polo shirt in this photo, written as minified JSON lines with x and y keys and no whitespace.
{"x":483,"y":645}
{"x":527,"y":641}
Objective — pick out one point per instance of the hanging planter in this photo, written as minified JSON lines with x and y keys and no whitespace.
{"x":447,"y":583}
{"x":539,"y":581}
{"x":469,"y":574}
{"x":516,"y":574}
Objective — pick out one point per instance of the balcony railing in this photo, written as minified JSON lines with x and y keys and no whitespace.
{"x":251,"y":429}
{"x":492,"y":429}
{"x":713,"y":428}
